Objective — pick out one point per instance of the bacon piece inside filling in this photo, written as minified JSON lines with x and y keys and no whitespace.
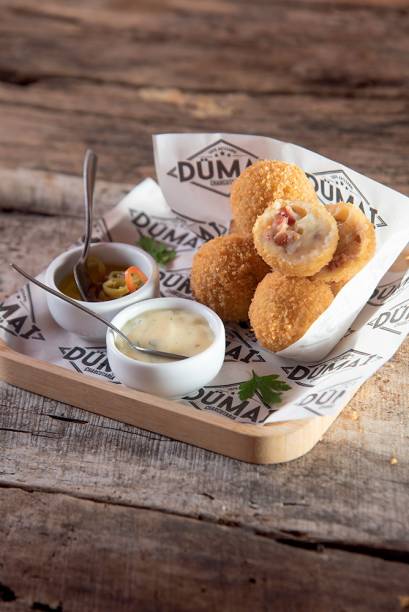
{"x":280,"y":230}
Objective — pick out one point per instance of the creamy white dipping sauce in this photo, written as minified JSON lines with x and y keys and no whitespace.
{"x":171,"y":330}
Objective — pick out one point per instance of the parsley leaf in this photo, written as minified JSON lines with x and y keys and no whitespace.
{"x":268,"y":387}
{"x":158,"y":250}
{"x":247,"y":388}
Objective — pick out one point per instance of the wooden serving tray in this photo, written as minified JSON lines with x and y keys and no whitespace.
{"x":275,"y":443}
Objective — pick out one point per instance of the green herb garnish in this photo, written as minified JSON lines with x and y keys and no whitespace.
{"x":158,"y":250}
{"x":268,"y":387}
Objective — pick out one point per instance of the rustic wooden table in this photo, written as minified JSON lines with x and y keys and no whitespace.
{"x":96,"y":515}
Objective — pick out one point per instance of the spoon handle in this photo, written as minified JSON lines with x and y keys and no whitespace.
{"x":69,"y":300}
{"x":90,"y":171}
{"x":77,"y":304}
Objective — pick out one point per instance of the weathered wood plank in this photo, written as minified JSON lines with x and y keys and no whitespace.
{"x":108,"y":75}
{"x":94,"y":557}
{"x":60,"y":195}
{"x":50,"y":126}
{"x":361,"y":499}
{"x":32,"y":241}
{"x":226,"y":46}
{"x":51,"y":446}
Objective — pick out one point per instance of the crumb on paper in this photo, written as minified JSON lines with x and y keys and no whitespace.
{"x":404,"y":602}
{"x":351,"y":414}
{"x":393,"y":461}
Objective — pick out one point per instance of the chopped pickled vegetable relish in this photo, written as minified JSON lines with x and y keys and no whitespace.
{"x":109,"y":281}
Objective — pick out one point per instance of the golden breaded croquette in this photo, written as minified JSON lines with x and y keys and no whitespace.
{"x":283,"y":308}
{"x":336,"y":287}
{"x":225,"y":274}
{"x":296,"y":238}
{"x":356,"y":245}
{"x":262,"y":183}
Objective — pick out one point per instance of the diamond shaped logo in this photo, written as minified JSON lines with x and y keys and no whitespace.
{"x":18,"y":318}
{"x":386,"y":291}
{"x":215,"y":167}
{"x":90,"y":360}
{"x":307,"y":375}
{"x":335,"y":186}
{"x":318,"y":402}
{"x":392,"y":320}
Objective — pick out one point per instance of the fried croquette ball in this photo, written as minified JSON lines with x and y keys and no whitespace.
{"x":296,"y":238}
{"x":356,"y":245}
{"x":336,"y":287}
{"x":283,"y":308}
{"x":232,"y":227}
{"x":225,"y":274}
{"x":262,"y":183}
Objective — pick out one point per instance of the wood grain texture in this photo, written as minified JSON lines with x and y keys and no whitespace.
{"x":362,"y":499}
{"x":51,"y":124}
{"x":55,"y":195}
{"x":20,"y":235}
{"x":223,"y":46}
{"x":110,"y":75}
{"x":332,"y":76}
{"x":276,"y":443}
{"x":120,"y":558}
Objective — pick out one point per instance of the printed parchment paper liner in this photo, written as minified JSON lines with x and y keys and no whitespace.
{"x":319,"y":386}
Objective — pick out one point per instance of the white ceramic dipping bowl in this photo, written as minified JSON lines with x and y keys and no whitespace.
{"x":172,"y":378}
{"x":74,"y":320}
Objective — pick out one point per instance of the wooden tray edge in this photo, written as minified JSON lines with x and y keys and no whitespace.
{"x":275,"y":443}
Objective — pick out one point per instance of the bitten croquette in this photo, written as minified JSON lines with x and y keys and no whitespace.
{"x":262,"y":183}
{"x":225,"y":274}
{"x":296,"y":238}
{"x":356,"y":244}
{"x":283,"y":308}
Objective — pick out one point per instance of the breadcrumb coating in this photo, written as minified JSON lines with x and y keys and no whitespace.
{"x":225,"y":274}
{"x":283,"y":309}
{"x":356,"y":245}
{"x":262,"y":183}
{"x":336,"y":287}
{"x":296,"y":238}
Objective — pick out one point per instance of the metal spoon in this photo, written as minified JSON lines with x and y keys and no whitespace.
{"x":77,"y":304}
{"x":80,"y":270}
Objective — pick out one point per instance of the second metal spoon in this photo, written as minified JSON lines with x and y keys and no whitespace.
{"x":80,"y":269}
{"x":75,"y":303}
